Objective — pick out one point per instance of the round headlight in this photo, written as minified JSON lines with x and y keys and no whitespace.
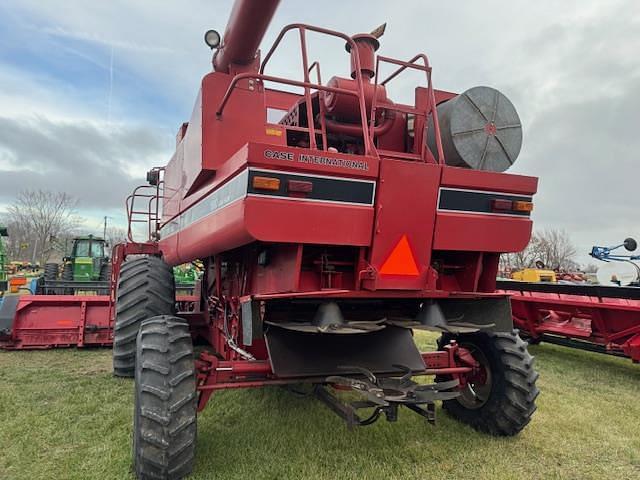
{"x":212,"y":38}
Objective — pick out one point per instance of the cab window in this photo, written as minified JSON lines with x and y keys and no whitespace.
{"x":97,"y":249}
{"x":82,"y":248}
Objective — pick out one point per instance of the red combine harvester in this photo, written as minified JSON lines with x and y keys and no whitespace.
{"x":331,"y":224}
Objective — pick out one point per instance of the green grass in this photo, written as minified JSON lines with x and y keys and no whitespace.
{"x":62,"y":415}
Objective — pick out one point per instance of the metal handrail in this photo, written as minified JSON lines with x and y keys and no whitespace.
{"x":405,"y":65}
{"x":321,"y":106}
{"x":302,"y":28}
{"x":295,"y":83}
{"x":431,"y":96}
{"x":151,"y":216}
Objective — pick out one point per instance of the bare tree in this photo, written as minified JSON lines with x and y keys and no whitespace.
{"x":115,"y":235}
{"x":35,"y":218}
{"x":552,"y":247}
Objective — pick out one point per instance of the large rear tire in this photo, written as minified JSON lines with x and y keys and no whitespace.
{"x":50,"y":275}
{"x":105,"y":276}
{"x":67,"y":276}
{"x":105,"y":272}
{"x":145,"y":289}
{"x":164,"y":435}
{"x":50,"y":271}
{"x":501,"y":399}
{"x":67,"y":272}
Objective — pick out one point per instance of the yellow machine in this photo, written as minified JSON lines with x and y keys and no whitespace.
{"x":534,"y":275}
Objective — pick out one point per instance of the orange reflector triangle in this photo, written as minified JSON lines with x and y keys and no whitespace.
{"x":401,"y":261}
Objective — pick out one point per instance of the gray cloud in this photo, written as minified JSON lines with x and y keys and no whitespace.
{"x":581,"y":98}
{"x":79,"y":158}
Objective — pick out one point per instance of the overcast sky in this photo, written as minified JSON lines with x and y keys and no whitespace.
{"x":92,"y":93}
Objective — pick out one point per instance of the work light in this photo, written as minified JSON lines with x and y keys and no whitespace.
{"x":212,"y":38}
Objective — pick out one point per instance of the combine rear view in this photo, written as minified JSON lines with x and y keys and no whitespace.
{"x":330,"y":224}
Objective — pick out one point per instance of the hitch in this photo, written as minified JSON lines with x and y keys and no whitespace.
{"x":384,"y":395}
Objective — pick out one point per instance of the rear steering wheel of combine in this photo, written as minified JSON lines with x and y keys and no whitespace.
{"x":146,"y":289}
{"x":500,"y":398}
{"x":164,"y":428}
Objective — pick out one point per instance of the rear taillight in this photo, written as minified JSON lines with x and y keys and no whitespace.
{"x":503,"y":205}
{"x":522,"y":206}
{"x":266,"y":183}
{"x":299,"y":186}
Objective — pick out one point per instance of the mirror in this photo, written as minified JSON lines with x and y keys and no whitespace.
{"x":630,"y":244}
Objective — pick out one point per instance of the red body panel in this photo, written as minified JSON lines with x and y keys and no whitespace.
{"x":275,"y":220}
{"x":269,"y":220}
{"x":481,"y":233}
{"x":489,"y":181}
{"x":405,"y":207}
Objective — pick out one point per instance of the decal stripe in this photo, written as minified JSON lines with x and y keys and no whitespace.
{"x":477,"y":201}
{"x":326,"y":189}
{"x":331,"y":189}
{"x":234,"y":189}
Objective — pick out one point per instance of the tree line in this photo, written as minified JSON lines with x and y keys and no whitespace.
{"x":550,"y":248}
{"x":42,"y":224}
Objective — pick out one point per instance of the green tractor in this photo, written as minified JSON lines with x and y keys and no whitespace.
{"x":88,"y":266}
{"x":186,"y":276}
{"x":3,"y":262}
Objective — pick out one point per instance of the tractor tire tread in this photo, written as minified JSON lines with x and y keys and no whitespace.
{"x":165,"y":413}
{"x":50,"y":271}
{"x":146,"y":288}
{"x":512,"y":401}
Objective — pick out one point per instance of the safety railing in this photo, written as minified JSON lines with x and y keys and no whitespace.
{"x":307,"y":85}
{"x":429,"y":109}
{"x":321,"y":105}
{"x":143,"y":206}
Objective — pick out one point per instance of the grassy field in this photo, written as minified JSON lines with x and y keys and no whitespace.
{"x":62,"y":415}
